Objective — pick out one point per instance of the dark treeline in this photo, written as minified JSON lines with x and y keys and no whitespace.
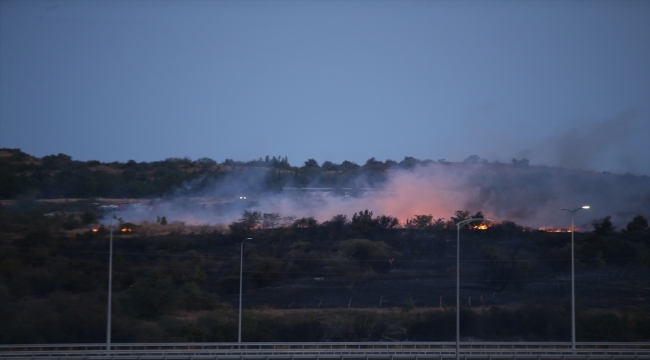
{"x":358,"y":278}
{"x":59,"y":176}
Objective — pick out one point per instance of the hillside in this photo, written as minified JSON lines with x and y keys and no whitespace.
{"x":363,"y":272}
{"x":363,"y":278}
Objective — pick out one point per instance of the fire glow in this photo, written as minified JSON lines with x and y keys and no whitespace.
{"x":555,"y":230}
{"x":436,"y":190}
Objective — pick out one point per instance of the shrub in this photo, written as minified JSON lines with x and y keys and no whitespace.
{"x":371,"y":254}
{"x":151,"y":297}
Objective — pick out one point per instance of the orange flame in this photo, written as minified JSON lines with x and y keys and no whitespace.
{"x":555,"y":230}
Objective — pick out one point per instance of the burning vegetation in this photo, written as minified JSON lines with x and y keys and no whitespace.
{"x":555,"y":230}
{"x":369,"y":247}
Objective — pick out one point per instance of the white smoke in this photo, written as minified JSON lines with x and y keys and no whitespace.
{"x":530,"y":196}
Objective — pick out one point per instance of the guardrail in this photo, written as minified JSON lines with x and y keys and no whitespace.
{"x":333,"y":350}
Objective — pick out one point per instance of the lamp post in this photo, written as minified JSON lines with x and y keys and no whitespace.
{"x":241,"y":273}
{"x":458,"y":279}
{"x":573,"y":287}
{"x":110,"y":288}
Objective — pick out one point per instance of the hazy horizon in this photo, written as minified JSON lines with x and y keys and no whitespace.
{"x":559,"y":83}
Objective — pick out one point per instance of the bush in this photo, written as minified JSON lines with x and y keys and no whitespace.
{"x":221,"y":330}
{"x":228,"y":285}
{"x":193,"y":299}
{"x":72,"y":222}
{"x":151,"y":297}
{"x":433,"y":326}
{"x":603,"y":327}
{"x":305,"y":331}
{"x":370,"y":254}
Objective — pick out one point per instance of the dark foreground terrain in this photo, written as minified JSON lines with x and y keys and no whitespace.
{"x":341,"y":280}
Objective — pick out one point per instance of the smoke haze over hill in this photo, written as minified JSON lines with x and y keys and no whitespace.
{"x":611,"y":143}
{"x":528,"y":195}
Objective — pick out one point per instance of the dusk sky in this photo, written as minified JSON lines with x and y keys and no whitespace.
{"x":558,"y":82}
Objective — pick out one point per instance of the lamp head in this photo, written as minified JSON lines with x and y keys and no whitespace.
{"x":586,"y":207}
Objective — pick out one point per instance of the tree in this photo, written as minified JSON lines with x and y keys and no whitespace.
{"x":305,"y":222}
{"x":204,"y":161}
{"x":459,"y":216}
{"x":336,"y":226}
{"x":637,"y":225}
{"x":374,"y":163}
{"x":603,"y":226}
{"x":281,"y":162}
{"x":56,"y":162}
{"x":348,"y":165}
{"x":375,"y":172}
{"x":311,"y":163}
{"x":387,"y":222}
{"x":274,"y":180}
{"x":478,"y":215}
{"x":250,"y":219}
{"x":409,"y":162}
{"x":363,"y":222}
{"x":270,"y":220}
{"x":420,"y":221}
{"x":507,"y":227}
{"x":474,"y":159}
{"x":329,"y":166}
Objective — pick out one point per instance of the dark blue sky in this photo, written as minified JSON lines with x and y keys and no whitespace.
{"x":559,"y":82}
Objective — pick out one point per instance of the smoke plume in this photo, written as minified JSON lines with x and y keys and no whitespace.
{"x":619,"y":144}
{"x":528,"y":195}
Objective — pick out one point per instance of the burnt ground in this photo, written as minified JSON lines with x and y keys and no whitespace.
{"x":602,"y":289}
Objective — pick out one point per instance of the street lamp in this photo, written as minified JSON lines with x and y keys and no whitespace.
{"x":573,"y":288}
{"x":458,"y":279}
{"x":241,"y":273}
{"x":110,"y":287}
